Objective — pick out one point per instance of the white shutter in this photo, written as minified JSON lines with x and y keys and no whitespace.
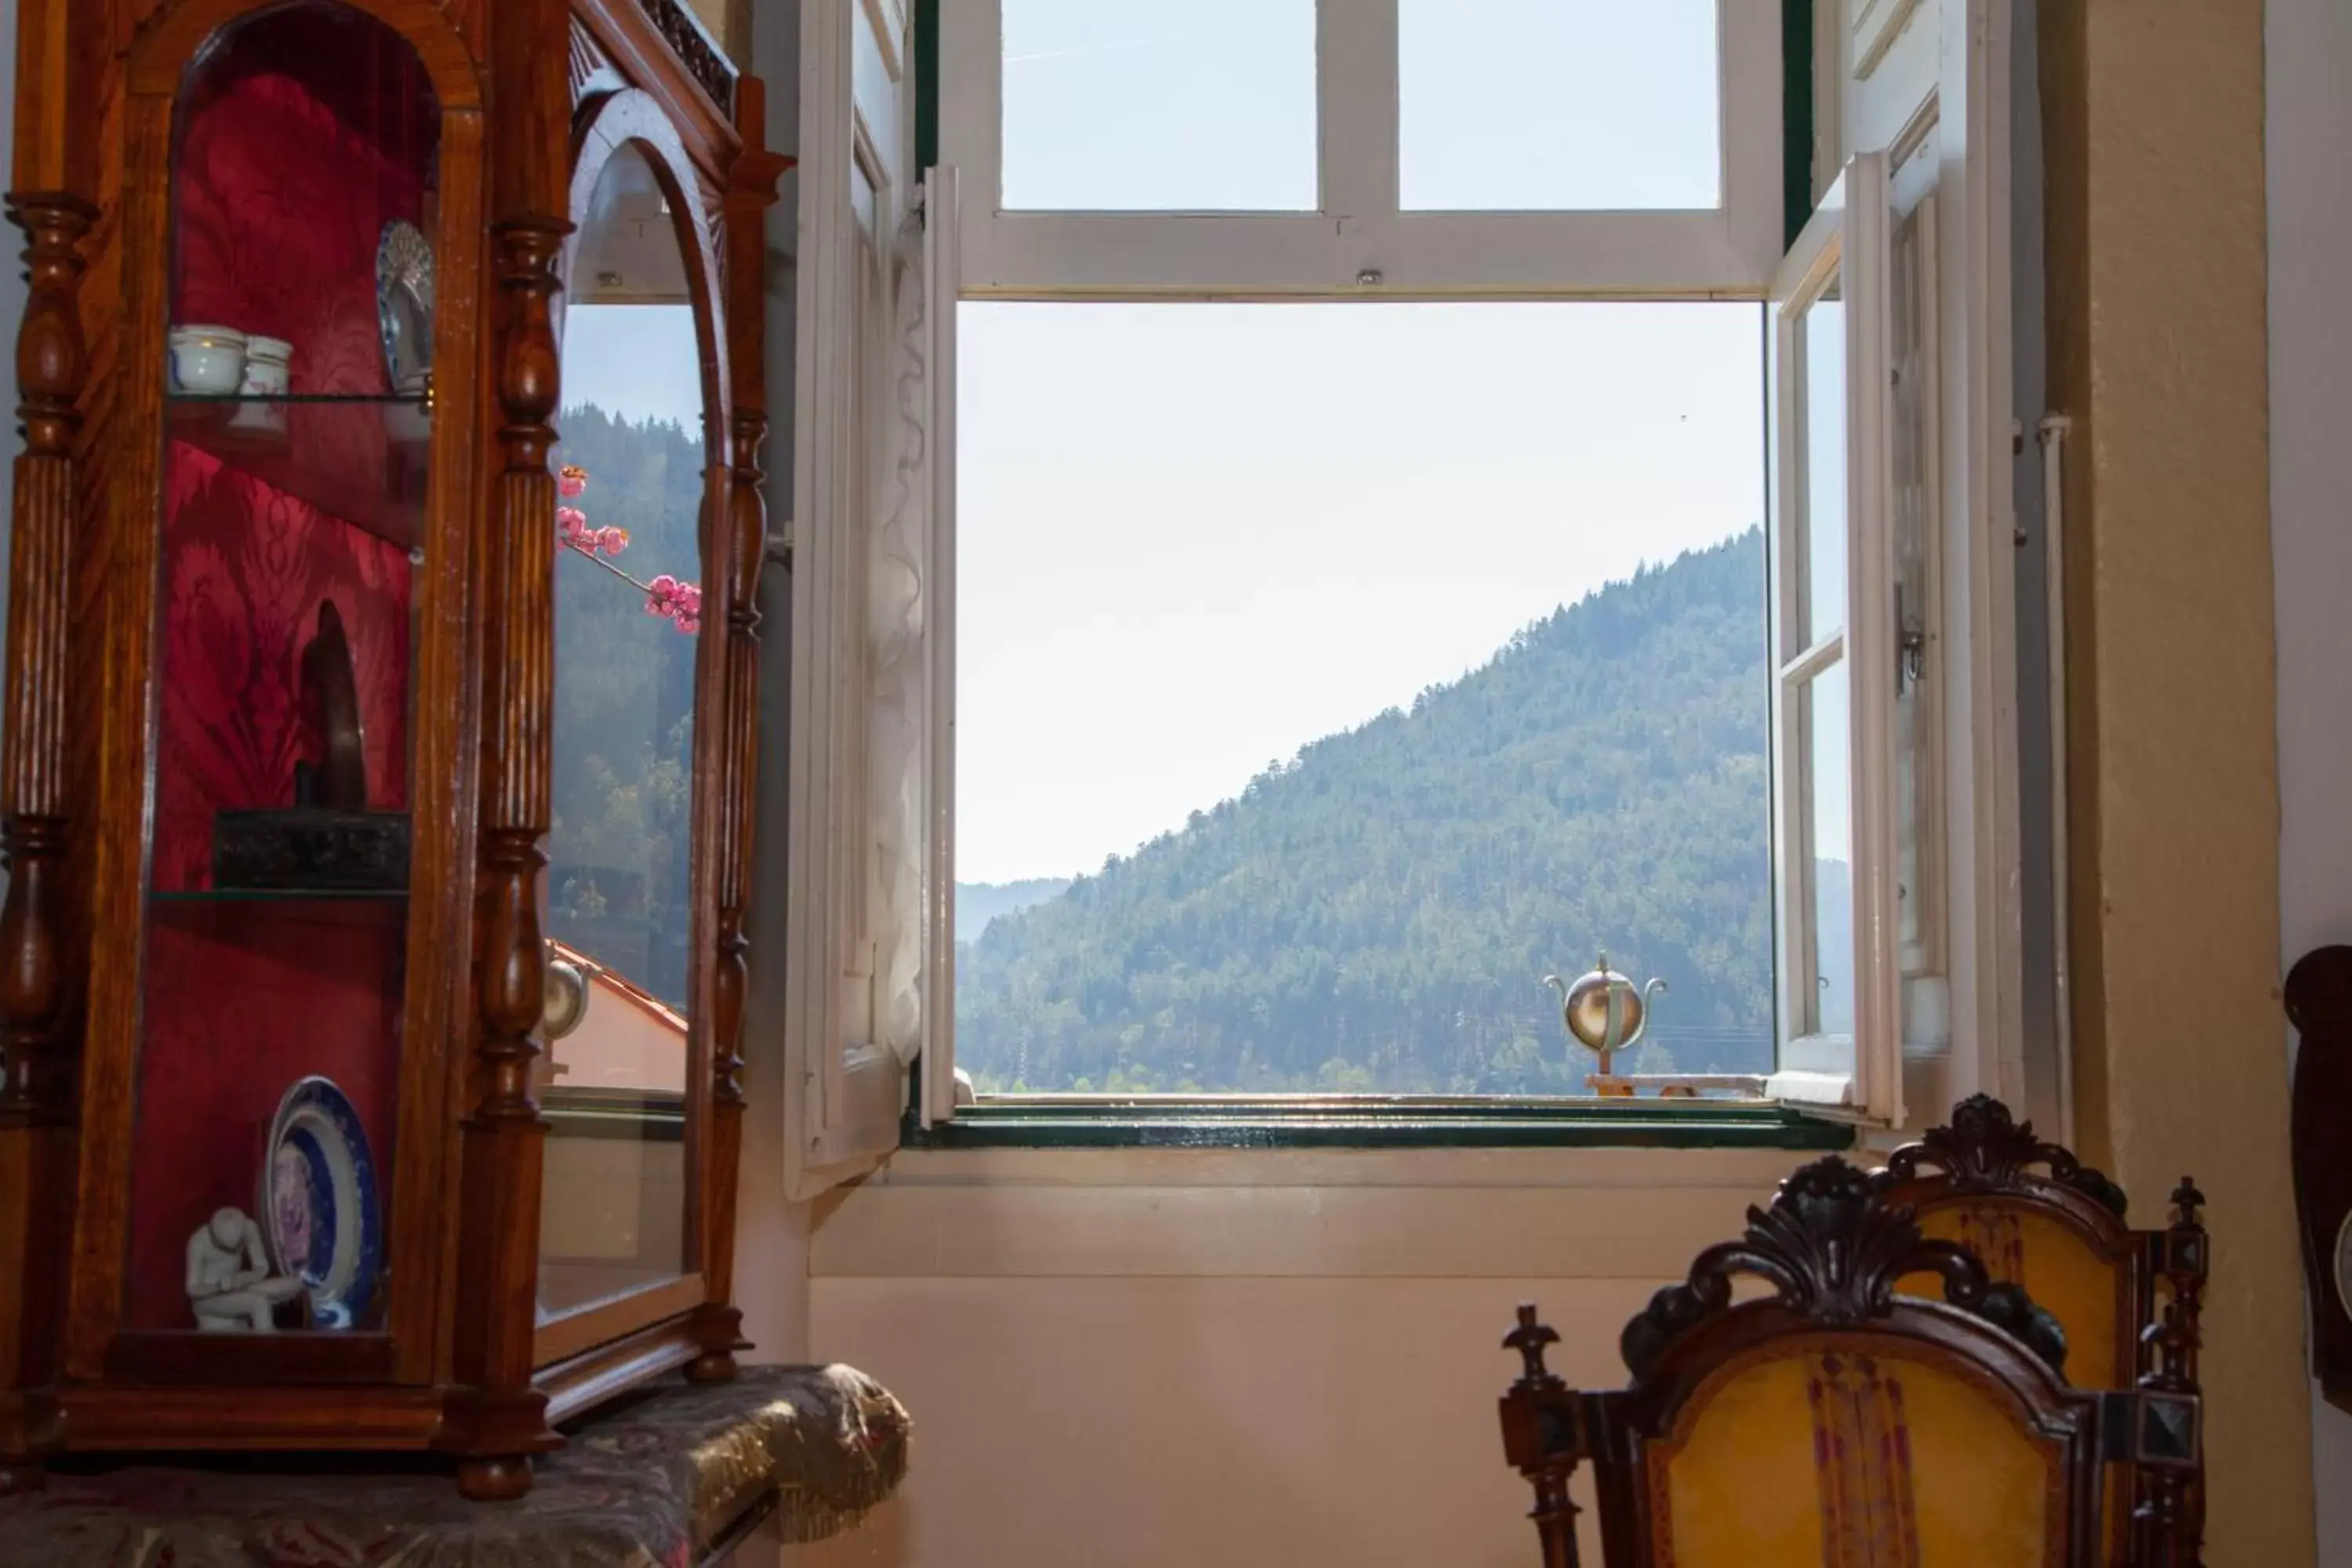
{"x":942,"y":277}
{"x":1834,"y":653}
{"x":857,"y":858}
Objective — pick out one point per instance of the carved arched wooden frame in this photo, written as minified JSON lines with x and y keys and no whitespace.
{"x":2115,"y":1245}
{"x":603,"y":126}
{"x":422,"y":1246}
{"x":1986,"y":1159}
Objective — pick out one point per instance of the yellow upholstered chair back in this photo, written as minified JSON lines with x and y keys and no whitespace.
{"x":2037,"y":1218}
{"x":1855,"y":1451}
{"x":1833,"y":1422}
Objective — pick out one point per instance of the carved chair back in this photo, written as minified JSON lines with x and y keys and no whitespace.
{"x":1834,"y":1423}
{"x":2036,"y":1216}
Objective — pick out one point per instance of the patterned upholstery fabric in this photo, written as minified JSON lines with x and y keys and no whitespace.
{"x":2088,"y":1295}
{"x":653,"y":1483}
{"x":1859,"y":1454}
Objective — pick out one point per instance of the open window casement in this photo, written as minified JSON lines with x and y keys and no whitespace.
{"x":865,"y":885}
{"x":1837,"y":657}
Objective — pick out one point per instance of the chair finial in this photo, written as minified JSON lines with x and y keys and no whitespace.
{"x":1529,"y":1339}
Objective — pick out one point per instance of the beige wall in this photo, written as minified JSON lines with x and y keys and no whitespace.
{"x":1181,"y":1358}
{"x":2153,"y":114}
{"x":728,"y":21}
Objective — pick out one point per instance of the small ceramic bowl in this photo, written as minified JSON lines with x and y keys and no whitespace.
{"x":267,"y":372}
{"x":208,"y":361}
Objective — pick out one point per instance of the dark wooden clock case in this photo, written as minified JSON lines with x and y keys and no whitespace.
{"x":2319,"y":1003}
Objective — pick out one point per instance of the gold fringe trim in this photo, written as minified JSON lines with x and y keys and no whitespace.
{"x":834,"y":1466}
{"x":803,"y":1517}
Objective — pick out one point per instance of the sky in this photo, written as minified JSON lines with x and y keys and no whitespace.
{"x":635,"y":361}
{"x":1193,"y":538}
{"x":1142,"y":104}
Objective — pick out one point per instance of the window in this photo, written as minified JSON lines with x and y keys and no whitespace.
{"x":1106,"y":299}
{"x":1408,"y":148}
{"x":1832,"y":644}
{"x":1363,"y":664}
{"x":1209,"y":107}
{"x":1492,"y":93}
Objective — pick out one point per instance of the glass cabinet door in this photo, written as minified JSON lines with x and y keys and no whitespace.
{"x":616,"y":1213}
{"x":297,"y":425}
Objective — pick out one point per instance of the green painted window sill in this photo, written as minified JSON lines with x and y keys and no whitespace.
{"x":1371,"y":1123}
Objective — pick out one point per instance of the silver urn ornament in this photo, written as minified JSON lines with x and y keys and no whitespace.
{"x":1603,"y":1010}
{"x":565,"y":994}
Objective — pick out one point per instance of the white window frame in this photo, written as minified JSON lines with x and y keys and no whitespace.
{"x":1358,"y":242}
{"x":1848,"y":240}
{"x":846,"y":1064}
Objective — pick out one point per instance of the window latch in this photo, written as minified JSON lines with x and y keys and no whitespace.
{"x":1910,"y":648}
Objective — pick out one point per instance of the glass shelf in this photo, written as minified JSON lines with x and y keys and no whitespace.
{"x":277,"y":896}
{"x":292,"y":398}
{"x":360,"y":458}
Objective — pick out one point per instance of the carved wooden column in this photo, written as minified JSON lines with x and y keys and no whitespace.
{"x":2168,"y":1518}
{"x":1532,"y":1408}
{"x":37,"y":1097}
{"x":39,"y":1016}
{"x":501,"y":1421}
{"x":742,"y":549}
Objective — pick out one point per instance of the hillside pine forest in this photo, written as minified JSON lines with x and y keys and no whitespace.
{"x":1378,"y":914}
{"x":624,"y":706}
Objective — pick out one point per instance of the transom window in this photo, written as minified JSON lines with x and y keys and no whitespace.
{"x":1395,"y":147}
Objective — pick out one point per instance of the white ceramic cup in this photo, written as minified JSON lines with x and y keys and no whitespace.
{"x":268,"y":371}
{"x":208,"y":361}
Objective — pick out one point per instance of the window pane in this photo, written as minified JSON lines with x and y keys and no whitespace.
{"x":1142,"y":106}
{"x":1820,"y":361}
{"x":1829,"y":720}
{"x":1559,"y":105}
{"x":618,"y":1211}
{"x":291,"y":596}
{"x":1913,"y":506}
{"x":1483,"y":581}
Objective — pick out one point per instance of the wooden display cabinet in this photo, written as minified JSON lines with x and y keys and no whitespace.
{"x":341,"y":714}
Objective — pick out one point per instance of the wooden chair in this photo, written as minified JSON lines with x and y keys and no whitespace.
{"x":2127,"y":1299}
{"x":1833,"y":1422}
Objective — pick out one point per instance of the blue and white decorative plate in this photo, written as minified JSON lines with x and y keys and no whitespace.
{"x":318,"y":1203}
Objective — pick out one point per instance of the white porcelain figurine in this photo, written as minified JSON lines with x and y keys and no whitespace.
{"x":229,"y":1283}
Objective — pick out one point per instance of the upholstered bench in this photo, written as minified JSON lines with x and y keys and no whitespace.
{"x":674,"y":1479}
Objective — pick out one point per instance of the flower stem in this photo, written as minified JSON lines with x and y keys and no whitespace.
{"x":615,"y":571}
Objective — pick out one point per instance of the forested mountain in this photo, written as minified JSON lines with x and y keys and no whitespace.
{"x":1378,"y":913}
{"x":977,"y":903}
{"x":625,"y":704}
